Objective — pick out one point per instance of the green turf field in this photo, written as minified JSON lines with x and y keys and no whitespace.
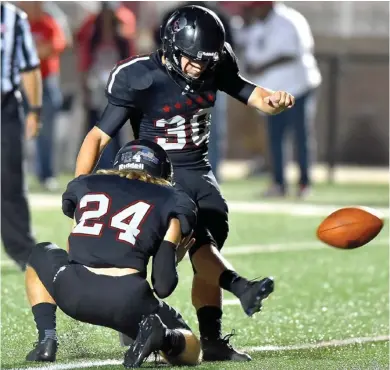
{"x":325,"y":300}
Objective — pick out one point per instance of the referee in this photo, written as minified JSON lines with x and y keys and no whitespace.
{"x":19,"y":64}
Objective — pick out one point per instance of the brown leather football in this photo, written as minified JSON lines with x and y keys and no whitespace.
{"x":350,"y":227}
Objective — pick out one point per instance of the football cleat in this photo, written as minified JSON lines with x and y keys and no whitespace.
{"x":43,"y":351}
{"x":221,"y":350}
{"x":256,"y":291}
{"x":150,"y":338}
{"x":303,"y":191}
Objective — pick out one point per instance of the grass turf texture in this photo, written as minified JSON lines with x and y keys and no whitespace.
{"x":321,"y":294}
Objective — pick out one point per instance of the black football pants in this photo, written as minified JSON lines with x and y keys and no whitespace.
{"x":202,"y":187}
{"x":15,"y":215}
{"x":118,"y":303}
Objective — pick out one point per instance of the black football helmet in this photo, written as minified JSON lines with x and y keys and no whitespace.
{"x":195,"y":32}
{"x":144,"y":155}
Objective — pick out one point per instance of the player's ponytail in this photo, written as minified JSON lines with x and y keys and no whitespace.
{"x":136,"y":175}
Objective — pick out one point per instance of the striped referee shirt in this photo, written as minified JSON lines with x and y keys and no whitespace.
{"x":18,"y":52}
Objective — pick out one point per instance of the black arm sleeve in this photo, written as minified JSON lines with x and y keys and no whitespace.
{"x":164,"y":273}
{"x":113,"y":119}
{"x":229,"y":79}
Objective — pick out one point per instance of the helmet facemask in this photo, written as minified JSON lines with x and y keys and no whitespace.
{"x":188,"y":45}
{"x":173,"y":63}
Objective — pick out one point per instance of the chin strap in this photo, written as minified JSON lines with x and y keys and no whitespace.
{"x":192,"y":85}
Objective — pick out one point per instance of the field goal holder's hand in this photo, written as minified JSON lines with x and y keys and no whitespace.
{"x":124,"y":340}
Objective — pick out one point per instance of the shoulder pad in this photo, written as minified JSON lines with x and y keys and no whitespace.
{"x":141,"y":80}
{"x":228,"y":53}
{"x":126,"y":79}
{"x":136,"y":71}
{"x":228,"y":63}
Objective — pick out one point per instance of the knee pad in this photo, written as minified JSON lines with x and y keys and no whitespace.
{"x":38,"y":254}
{"x":47,"y":255}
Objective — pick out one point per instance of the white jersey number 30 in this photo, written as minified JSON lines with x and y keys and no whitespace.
{"x":181,"y":131}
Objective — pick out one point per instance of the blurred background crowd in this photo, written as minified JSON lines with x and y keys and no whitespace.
{"x":333,"y":56}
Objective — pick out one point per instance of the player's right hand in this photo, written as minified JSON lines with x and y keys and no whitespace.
{"x":280,"y":100}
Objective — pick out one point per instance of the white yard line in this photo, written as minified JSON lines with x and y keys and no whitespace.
{"x":231,"y":302}
{"x":317,"y":345}
{"x":259,"y":248}
{"x":306,"y":209}
{"x":74,"y":365}
{"x":43,"y":201}
{"x":269,"y":348}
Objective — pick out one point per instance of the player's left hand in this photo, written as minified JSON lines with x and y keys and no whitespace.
{"x":32,"y":126}
{"x":280,"y":100}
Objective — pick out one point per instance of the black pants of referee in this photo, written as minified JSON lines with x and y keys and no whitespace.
{"x":15,"y":215}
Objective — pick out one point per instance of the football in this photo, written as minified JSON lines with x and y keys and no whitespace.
{"x":351,"y":227}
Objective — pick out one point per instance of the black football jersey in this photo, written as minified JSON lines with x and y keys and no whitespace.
{"x":121,"y":222}
{"x":166,"y":110}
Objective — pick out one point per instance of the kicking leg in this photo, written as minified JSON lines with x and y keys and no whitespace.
{"x":208,"y":265}
{"x":206,"y":292}
{"x":213,"y":272}
{"x":207,"y":300}
{"x":212,"y":268}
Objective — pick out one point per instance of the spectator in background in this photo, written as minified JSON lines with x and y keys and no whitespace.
{"x":278,"y":52}
{"x":219,"y":125}
{"x":103,"y":40}
{"x":50,"y":41}
{"x":51,"y":8}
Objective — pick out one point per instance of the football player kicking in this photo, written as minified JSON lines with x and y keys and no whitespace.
{"x":167,"y":96}
{"x":124,"y":217}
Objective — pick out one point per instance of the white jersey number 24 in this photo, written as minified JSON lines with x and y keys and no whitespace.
{"x":127,"y":221}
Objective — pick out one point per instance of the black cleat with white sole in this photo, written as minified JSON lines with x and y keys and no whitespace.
{"x":221,"y":350}
{"x":150,"y":338}
{"x":44,"y":351}
{"x":255,"y":293}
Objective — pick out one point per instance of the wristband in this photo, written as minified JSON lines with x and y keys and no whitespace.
{"x":36,"y":110}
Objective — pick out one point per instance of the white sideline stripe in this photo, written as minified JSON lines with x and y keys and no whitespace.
{"x":121,"y":67}
{"x":73,"y":365}
{"x":305,"y":346}
{"x":231,"y":302}
{"x":256,"y":249}
{"x":331,"y":343}
{"x":43,"y":201}
{"x":307,"y":209}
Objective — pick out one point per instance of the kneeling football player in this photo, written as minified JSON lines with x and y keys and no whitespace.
{"x":123,"y":217}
